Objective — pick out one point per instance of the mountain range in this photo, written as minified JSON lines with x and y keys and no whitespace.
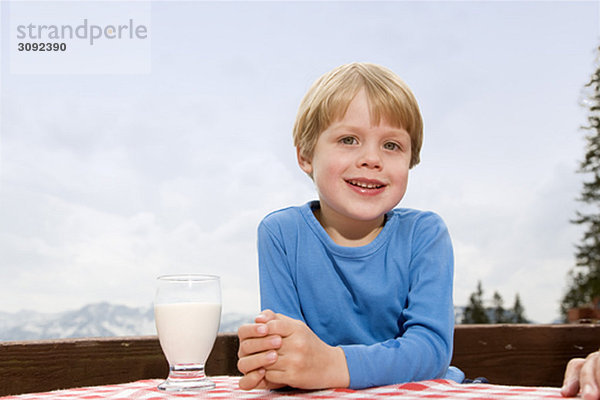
{"x":107,"y":320}
{"x":93,"y":320}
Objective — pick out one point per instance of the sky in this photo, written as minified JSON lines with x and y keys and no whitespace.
{"x":130,"y":158}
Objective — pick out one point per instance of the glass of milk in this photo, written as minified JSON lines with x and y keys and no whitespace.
{"x":187,"y":311}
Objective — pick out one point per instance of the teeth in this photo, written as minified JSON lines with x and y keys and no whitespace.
{"x":365,"y":185}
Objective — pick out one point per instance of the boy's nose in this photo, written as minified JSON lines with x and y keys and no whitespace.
{"x":370,"y":158}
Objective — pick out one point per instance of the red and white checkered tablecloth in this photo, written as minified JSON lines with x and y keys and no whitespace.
{"x":227,"y":388}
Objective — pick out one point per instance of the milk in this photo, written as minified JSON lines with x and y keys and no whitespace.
{"x":187,"y":331}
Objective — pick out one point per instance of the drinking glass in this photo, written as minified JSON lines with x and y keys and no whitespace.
{"x":187,"y":312}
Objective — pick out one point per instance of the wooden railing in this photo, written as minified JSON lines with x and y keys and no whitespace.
{"x":533,"y":355}
{"x":527,"y":355}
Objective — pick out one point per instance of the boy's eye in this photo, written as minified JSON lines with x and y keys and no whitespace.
{"x":348,"y":140}
{"x":391,"y":146}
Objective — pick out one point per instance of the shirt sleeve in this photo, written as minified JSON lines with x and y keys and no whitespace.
{"x":424,"y":349}
{"x":277,"y":284}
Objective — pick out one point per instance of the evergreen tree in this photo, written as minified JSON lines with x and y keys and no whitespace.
{"x":518,"y":312}
{"x":475,"y":312}
{"x":584,"y":278}
{"x":499,"y":312}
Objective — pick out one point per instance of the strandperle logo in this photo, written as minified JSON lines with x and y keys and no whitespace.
{"x":90,"y":32}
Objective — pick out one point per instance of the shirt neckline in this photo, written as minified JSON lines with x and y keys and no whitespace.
{"x":346,"y":251}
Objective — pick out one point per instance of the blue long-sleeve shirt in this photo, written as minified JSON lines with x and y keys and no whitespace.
{"x":387,"y":304}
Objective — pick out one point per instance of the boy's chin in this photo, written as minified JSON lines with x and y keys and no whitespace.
{"x":361,"y":217}
{"x":370,"y":213}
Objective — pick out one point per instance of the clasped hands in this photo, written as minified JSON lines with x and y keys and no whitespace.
{"x":278,"y":351}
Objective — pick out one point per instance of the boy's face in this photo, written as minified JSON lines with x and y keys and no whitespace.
{"x":360,"y":170}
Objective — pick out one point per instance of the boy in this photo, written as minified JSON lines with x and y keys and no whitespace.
{"x":362,"y":291}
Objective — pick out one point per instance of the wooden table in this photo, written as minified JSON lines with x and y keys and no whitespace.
{"x":227,"y":388}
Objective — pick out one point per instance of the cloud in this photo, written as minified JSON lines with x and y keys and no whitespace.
{"x":525,"y":248}
{"x":100,"y":220}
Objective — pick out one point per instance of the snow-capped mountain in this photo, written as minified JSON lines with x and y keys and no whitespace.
{"x":92,"y":320}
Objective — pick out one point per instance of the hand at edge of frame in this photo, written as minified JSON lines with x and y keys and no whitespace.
{"x":582,"y":376}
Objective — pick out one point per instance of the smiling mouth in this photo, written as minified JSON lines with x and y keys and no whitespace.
{"x":365,"y":185}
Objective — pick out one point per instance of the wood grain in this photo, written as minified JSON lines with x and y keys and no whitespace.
{"x":529,"y":355}
{"x":36,"y":366}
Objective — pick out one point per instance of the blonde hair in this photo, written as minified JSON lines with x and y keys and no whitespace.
{"x":329,"y":97}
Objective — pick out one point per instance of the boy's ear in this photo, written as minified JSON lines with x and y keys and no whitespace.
{"x":304,"y":163}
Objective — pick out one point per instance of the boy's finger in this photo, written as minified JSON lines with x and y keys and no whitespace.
{"x":282,"y":326}
{"x":277,"y":377}
{"x":265,"y":316}
{"x":258,"y":345}
{"x":252,"y":330}
{"x":256,"y":361}
{"x":253,"y":380}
